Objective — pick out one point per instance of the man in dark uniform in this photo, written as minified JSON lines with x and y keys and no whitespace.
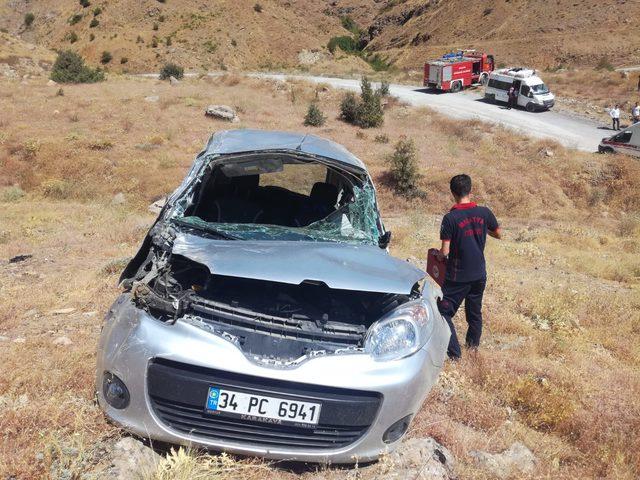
{"x":464,"y":233}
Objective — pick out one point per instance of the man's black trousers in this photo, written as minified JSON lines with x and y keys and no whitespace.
{"x":453,"y":295}
{"x":616,"y":123}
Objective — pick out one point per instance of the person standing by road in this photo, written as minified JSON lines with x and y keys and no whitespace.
{"x":635,"y":113}
{"x":511,"y":97}
{"x":615,"y":116}
{"x":463,"y":234}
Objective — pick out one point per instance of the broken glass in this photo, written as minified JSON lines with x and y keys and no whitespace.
{"x":356,"y":222}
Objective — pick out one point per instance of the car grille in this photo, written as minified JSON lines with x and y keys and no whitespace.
{"x":178,"y":392}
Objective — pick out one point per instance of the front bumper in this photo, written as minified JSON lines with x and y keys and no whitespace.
{"x":132,"y":341}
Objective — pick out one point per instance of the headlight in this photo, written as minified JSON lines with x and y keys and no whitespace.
{"x":401,"y":333}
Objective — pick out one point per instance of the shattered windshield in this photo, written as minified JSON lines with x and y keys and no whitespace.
{"x":539,"y":89}
{"x":354,"y":222}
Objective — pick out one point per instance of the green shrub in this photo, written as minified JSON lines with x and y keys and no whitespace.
{"x":378,"y":63}
{"x":124,"y":60}
{"x":404,"y":169}
{"x":11,"y":194}
{"x":97,"y":11}
{"x":28,"y":19}
{"x":349,"y":108}
{"x":155,"y":26}
{"x":167,"y":41}
{"x":154,"y":42}
{"x":382,"y":138}
{"x":384,"y":88}
{"x":106,"y":57}
{"x":72,"y":37}
{"x":369,"y":113}
{"x":314,"y":116}
{"x":92,"y":37}
{"x":258,"y":8}
{"x":75,"y":18}
{"x":139,"y":39}
{"x":161,"y":18}
{"x":57,"y":188}
{"x":349,"y":24}
{"x":345,"y":43}
{"x":69,"y":67}
{"x":171,"y":70}
{"x":94,"y":23}
{"x":85,"y":3}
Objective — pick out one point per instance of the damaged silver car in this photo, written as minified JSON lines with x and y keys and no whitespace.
{"x":263,"y":315}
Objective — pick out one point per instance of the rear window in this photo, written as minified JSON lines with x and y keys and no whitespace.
{"x":297,"y":178}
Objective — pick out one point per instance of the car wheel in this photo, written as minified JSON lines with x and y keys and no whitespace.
{"x":531,"y":107}
{"x":456,"y":87}
{"x":606,"y":150}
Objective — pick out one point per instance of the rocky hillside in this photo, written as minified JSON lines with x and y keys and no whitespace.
{"x":280,"y":34}
{"x":140,"y":35}
{"x":547,"y":34}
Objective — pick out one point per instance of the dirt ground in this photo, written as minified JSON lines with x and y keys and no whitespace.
{"x":559,"y":365}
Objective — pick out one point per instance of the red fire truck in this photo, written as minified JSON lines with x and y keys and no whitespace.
{"x":454,"y":71}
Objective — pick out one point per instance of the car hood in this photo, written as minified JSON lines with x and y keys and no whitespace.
{"x":338,"y":265}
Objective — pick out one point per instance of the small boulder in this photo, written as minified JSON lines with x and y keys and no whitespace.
{"x":156,"y":207}
{"x":422,"y":459}
{"x":51,"y":83}
{"x":223,"y":112}
{"x":152,"y":98}
{"x":548,"y":153}
{"x":131,"y":455}
{"x":174,"y":81}
{"x":517,"y":459}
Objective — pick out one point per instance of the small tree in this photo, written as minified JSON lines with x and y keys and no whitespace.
{"x":94,"y":23}
{"x":106,"y":57}
{"x":69,"y":67}
{"x":85,"y":3}
{"x":349,"y":108}
{"x":28,"y":19}
{"x":404,"y":169}
{"x":314,"y":116}
{"x":384,"y":90}
{"x":75,"y":18}
{"x":370,"y":113}
{"x":171,"y":70}
{"x":258,"y":8}
{"x":72,"y":37}
{"x":97,"y":11}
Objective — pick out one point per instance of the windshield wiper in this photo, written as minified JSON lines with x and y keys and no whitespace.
{"x":207,"y":229}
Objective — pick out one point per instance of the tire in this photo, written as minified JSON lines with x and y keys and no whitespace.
{"x":531,"y":107}
{"x":456,"y":87}
{"x":606,"y":150}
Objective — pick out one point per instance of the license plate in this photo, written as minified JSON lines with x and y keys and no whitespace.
{"x":261,"y":408}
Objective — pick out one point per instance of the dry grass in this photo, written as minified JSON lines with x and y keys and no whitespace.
{"x":558,"y":369}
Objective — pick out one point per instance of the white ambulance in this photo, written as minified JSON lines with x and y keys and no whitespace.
{"x":533,"y":94}
{"x":627,"y":141}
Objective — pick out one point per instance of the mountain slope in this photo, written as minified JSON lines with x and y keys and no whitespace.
{"x":196,"y":34}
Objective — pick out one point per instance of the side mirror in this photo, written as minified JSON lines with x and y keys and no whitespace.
{"x":385,"y":239}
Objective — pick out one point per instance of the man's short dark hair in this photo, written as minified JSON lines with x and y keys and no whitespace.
{"x":460,"y":185}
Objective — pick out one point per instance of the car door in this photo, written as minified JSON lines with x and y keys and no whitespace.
{"x":627,"y":142}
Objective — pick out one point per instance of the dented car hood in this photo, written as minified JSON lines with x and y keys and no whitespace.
{"x":338,"y":265}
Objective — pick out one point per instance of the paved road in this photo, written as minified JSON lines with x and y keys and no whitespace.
{"x":571,"y":131}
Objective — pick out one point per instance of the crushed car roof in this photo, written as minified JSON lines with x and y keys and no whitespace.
{"x":240,"y":141}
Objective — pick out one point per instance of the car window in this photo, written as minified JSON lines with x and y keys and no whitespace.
{"x":525,"y":90}
{"x":297,"y":178}
{"x":624,"y":137}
